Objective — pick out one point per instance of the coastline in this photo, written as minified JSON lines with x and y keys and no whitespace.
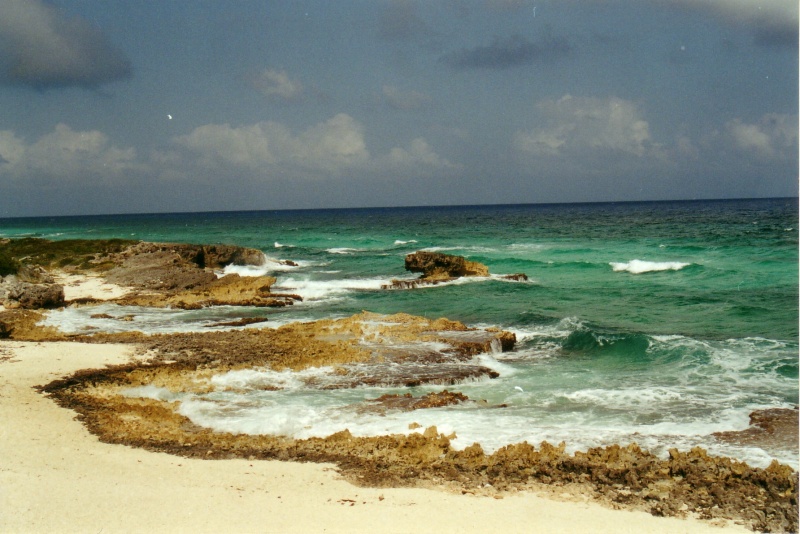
{"x":56,"y":476}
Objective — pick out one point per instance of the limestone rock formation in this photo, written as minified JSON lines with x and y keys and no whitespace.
{"x":18,"y":294}
{"x":34,"y":274}
{"x":438,"y":266}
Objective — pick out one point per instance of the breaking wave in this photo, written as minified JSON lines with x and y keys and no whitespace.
{"x":641,"y":266}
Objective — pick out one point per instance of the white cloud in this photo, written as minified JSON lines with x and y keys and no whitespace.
{"x":774,"y":136}
{"x":44,"y":48}
{"x":277,"y":84}
{"x":64,"y":155}
{"x":330,"y":148}
{"x":418,"y":154}
{"x":586,"y":123}
{"x":12,"y":150}
{"x":404,"y":100}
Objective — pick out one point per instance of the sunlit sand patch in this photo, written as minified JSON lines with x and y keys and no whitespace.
{"x":88,"y":286}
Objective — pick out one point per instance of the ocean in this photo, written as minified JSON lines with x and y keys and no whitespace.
{"x":657,"y":322}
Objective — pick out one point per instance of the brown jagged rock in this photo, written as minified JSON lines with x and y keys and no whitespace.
{"x":34,"y":274}
{"x":218,"y":256}
{"x":772,"y":428}
{"x":244,"y":321}
{"x":408,"y":402}
{"x":438,"y":266}
{"x":21,"y":324}
{"x":230,"y":290}
{"x":5,"y":330}
{"x":180,"y":276}
{"x":32,"y":296}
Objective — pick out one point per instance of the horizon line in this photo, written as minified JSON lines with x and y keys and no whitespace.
{"x":407,"y":207}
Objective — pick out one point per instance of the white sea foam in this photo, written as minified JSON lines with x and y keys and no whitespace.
{"x":527,"y":247}
{"x":343,"y":250}
{"x":681,"y":410}
{"x":151,"y":392}
{"x":268,"y":265}
{"x":469,"y":248}
{"x":245,"y":270}
{"x":113,"y":318}
{"x":641,"y":266}
{"x":259,"y":379}
{"x":401,"y":242}
{"x":315,"y":290}
{"x":318,"y":414}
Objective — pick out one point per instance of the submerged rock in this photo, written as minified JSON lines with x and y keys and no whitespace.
{"x":408,"y":402}
{"x":770,"y":429}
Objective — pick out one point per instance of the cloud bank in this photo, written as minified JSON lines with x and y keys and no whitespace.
{"x":64,"y":156}
{"x":774,"y":136}
{"x":271,"y":150}
{"x":579,"y":124}
{"x":43,"y":48}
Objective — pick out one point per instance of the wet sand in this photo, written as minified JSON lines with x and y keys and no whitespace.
{"x":57,"y":477}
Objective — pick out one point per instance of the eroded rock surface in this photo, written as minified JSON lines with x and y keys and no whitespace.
{"x":437,"y":267}
{"x":30,"y":296}
{"x":158,"y":274}
{"x":686,"y":482}
{"x":770,"y":429}
{"x":407,"y":402}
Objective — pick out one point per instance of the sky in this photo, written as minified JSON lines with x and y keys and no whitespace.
{"x":217,"y":105}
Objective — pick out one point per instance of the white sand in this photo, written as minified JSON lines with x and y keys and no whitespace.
{"x":56,"y":477}
{"x":78,"y":286}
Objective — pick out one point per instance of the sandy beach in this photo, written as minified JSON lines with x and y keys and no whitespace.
{"x":57,"y":477}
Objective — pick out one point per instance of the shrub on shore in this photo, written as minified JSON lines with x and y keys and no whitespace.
{"x":8,"y":264}
{"x":78,"y":253}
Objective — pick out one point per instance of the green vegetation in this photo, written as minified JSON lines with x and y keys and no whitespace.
{"x":8,"y":265}
{"x":69,"y":253}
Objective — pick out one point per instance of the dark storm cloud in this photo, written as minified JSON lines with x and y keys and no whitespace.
{"x":44,"y":48}
{"x":510,"y":52}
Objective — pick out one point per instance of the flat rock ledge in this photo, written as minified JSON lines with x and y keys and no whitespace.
{"x":157,"y":274}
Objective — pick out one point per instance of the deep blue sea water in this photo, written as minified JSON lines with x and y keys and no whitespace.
{"x":651,"y":322}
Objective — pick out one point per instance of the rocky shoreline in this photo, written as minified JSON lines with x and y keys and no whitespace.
{"x":363,"y":349}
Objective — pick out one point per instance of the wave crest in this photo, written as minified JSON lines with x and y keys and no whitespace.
{"x":642,"y":266}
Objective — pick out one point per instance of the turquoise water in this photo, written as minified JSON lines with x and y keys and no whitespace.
{"x":653,"y":322}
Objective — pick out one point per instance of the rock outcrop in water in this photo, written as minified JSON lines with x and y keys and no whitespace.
{"x":771,"y":429}
{"x":437,"y":267}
